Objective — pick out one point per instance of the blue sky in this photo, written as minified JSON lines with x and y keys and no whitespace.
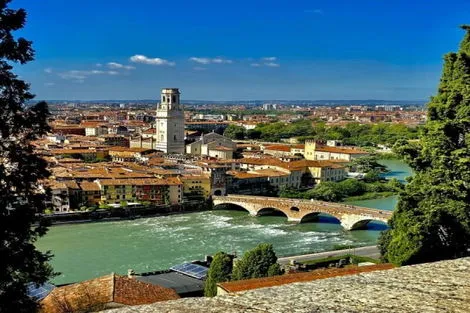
{"x":229,"y":50}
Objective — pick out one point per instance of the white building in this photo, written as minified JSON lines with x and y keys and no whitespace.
{"x":213,"y":145}
{"x":170,"y":122}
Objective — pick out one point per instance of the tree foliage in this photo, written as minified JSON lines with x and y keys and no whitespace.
{"x":338,"y":191}
{"x":235,"y":132}
{"x":258,"y":262}
{"x":20,"y":172}
{"x":432,"y":218}
{"x":219,"y":271}
{"x":367,"y":164}
{"x":351,"y":134}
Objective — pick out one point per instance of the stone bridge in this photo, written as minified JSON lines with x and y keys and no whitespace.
{"x":299,"y":210}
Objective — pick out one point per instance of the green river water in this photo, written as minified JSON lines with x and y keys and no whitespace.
{"x":84,"y":251}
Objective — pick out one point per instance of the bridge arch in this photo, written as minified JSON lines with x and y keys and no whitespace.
{"x":271,"y":211}
{"x":364,"y":224}
{"x":231,"y":206}
{"x":320,"y":217}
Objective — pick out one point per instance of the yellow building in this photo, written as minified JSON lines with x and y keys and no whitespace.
{"x":196,"y":187}
{"x":323,"y":171}
{"x":157,"y":190}
{"x":91,"y":193}
{"x":314,"y":151}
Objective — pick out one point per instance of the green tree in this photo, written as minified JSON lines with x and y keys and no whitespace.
{"x":234,"y":132}
{"x":432,"y":218}
{"x":372,"y":176}
{"x":219,"y":271}
{"x":366,"y":164}
{"x":275,"y":270}
{"x":256,"y":263}
{"x":20,"y":172}
{"x":253,"y":134}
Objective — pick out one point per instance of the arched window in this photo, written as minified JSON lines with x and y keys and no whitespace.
{"x":162,"y":138}
{"x":163,"y":99}
{"x":174,"y":137}
{"x":173,"y":99}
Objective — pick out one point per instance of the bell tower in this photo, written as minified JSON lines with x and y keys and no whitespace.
{"x":170,"y":122}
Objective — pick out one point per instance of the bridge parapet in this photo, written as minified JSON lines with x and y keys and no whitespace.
{"x":350,"y":216}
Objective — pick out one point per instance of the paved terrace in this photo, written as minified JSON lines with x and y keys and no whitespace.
{"x":426,"y":288}
{"x":298,"y":210}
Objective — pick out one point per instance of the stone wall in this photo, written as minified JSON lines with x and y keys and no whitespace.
{"x":433,"y":287}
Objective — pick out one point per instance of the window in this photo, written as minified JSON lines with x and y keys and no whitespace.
{"x":174,"y":137}
{"x":174,"y":99}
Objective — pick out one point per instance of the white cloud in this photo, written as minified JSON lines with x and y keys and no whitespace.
{"x":269,"y":59}
{"x":272,"y":64}
{"x":138,"y":58}
{"x":266,"y":61}
{"x":80,"y":76}
{"x":209,"y":60}
{"x":221,"y":61}
{"x":49,"y":84}
{"x":98,"y":65}
{"x":48,"y":70}
{"x":200,"y":60}
{"x":114,"y":65}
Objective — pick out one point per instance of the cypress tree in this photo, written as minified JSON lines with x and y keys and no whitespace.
{"x":219,"y":271}
{"x":20,"y":171}
{"x":432,"y":218}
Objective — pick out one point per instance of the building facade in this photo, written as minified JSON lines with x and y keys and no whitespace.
{"x":170,"y":122}
{"x":213,"y":145}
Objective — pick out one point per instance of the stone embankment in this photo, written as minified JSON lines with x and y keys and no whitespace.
{"x":433,"y":287}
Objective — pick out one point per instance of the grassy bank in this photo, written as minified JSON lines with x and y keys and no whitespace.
{"x":371,"y":195}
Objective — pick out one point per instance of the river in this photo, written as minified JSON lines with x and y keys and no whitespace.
{"x":84,"y":251}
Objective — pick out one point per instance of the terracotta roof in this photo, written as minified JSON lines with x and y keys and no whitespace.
{"x":71,"y":184}
{"x":340,"y":150}
{"x":278,"y":148}
{"x":122,"y":154}
{"x":244,"y":175}
{"x":269,"y":172}
{"x":94,"y":295}
{"x":293,"y":165}
{"x":92,"y":123}
{"x":53,"y":184}
{"x":141,"y":182}
{"x":73,"y":151}
{"x":242,"y":285}
{"x":129,"y":149}
{"x":190,"y":177}
{"x":205,"y":122}
{"x":89,"y":186}
{"x":221,"y":148}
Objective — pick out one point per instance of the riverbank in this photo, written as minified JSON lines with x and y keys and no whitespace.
{"x":117,"y":219}
{"x":102,"y":215}
{"x":367,"y":251}
{"x":371,"y":196}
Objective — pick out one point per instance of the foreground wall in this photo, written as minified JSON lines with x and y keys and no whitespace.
{"x":433,"y":287}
